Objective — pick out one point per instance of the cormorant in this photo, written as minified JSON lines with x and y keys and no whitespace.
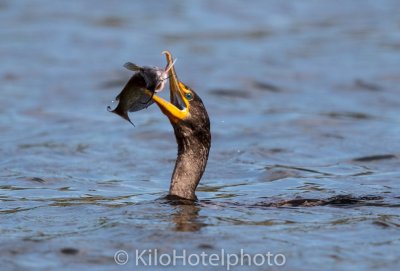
{"x":189,"y":118}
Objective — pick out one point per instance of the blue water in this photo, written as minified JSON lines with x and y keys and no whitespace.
{"x":304,"y":102}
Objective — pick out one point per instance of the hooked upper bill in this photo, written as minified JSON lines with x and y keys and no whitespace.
{"x":178,"y":108}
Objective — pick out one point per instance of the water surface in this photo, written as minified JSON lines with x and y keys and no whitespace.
{"x":304,"y":103}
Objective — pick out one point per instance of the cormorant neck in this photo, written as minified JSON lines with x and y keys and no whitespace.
{"x":193,"y":150}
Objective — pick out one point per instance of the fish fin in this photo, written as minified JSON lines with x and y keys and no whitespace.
{"x":120,"y":113}
{"x":128,"y":119}
{"x":125,"y":116}
{"x":132,"y":67}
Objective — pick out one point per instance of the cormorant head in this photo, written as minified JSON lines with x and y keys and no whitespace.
{"x":185,"y":109}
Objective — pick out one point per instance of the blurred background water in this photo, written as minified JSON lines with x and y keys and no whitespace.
{"x":304,"y":102}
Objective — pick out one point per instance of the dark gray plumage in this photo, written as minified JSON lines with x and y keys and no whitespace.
{"x":194,"y":141}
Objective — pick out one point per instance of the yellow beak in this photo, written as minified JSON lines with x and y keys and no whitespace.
{"x":178,"y":109}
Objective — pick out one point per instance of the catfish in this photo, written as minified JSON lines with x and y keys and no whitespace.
{"x":138,"y":92}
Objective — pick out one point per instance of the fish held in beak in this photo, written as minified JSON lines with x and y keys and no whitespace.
{"x":138,"y":92}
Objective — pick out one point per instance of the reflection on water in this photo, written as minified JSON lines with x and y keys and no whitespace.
{"x":303,"y":100}
{"x":186,"y":218}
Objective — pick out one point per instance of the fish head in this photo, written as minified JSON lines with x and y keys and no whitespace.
{"x":154,"y":77}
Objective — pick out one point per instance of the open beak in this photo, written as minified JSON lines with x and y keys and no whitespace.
{"x":178,"y":107}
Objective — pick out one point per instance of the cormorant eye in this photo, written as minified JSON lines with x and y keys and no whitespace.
{"x":189,"y":96}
